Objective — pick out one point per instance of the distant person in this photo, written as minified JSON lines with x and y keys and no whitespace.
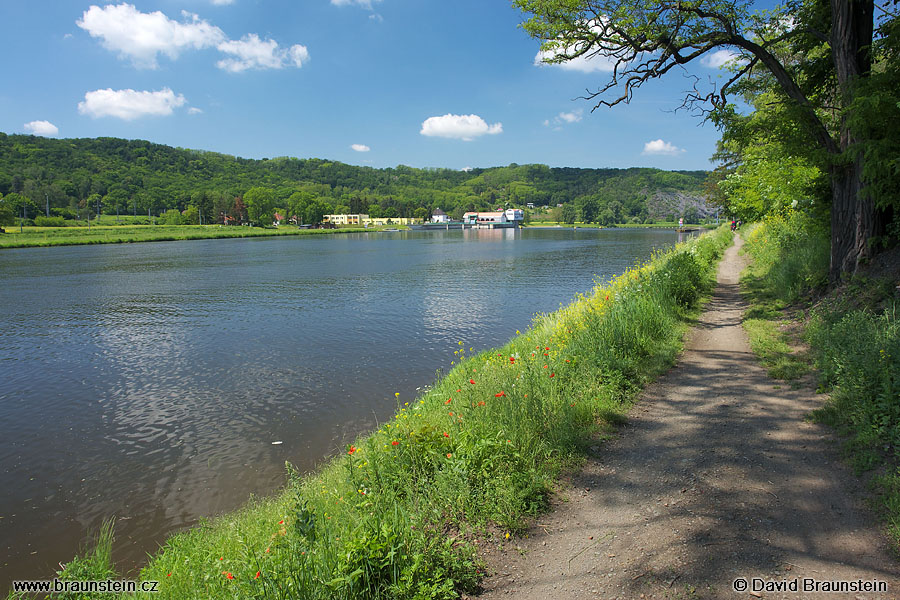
{"x":733,"y":224}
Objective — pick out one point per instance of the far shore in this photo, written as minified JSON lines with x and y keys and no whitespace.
{"x":31,"y":237}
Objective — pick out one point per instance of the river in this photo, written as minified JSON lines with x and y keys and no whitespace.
{"x":149,"y":381}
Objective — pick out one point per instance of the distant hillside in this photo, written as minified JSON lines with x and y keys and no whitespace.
{"x":74,"y":176}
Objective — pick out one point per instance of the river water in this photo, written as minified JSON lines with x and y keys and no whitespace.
{"x":148,"y":381}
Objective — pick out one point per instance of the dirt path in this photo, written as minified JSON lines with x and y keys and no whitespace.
{"x":716,"y":476}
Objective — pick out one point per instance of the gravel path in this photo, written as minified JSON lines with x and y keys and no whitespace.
{"x":717,"y":476}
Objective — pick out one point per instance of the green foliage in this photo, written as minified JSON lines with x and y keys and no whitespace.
{"x":858,"y":353}
{"x":171,"y":217}
{"x":43,"y":221}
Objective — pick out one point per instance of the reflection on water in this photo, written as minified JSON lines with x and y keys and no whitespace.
{"x":148,"y":381}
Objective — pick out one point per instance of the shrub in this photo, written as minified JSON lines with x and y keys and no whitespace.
{"x":42,"y":221}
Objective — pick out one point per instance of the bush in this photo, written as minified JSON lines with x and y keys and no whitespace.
{"x":42,"y":221}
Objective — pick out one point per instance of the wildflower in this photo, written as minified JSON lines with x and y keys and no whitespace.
{"x":547,"y":348}
{"x":448,"y":400}
{"x":545,"y":354}
{"x":552,"y":374}
{"x":512,"y":359}
{"x":607,"y":296}
{"x":168,"y":574}
{"x":397,"y":394}
{"x":351,"y":450}
{"x":472,"y":381}
{"x":257,"y":575}
{"x":395,"y":443}
{"x":451,"y":413}
{"x":481,"y":403}
{"x":446,"y":434}
{"x":449,"y":455}
{"x":281,"y":522}
{"x":545,"y":366}
{"x":507,"y":535}
{"x":228,"y":575}
{"x":221,"y":558}
{"x":500,"y":394}
{"x":459,"y":391}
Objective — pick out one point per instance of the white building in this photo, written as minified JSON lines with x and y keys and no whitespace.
{"x":439,"y":216}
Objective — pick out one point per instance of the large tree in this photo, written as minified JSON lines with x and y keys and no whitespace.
{"x":643,"y":40}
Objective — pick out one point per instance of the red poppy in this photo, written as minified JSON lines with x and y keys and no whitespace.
{"x":567,"y":360}
{"x":459,"y":390}
{"x":500,"y":395}
{"x":448,"y":400}
{"x":607,"y":297}
{"x":168,"y":574}
{"x":512,"y":359}
{"x":481,"y":403}
{"x":281,"y":522}
{"x":446,"y":434}
{"x":545,"y":366}
{"x":472,"y":381}
{"x":229,"y":575}
{"x":449,"y":455}
{"x":545,"y":354}
{"x":257,"y":575}
{"x":547,"y":348}
{"x":351,"y":450}
{"x":395,"y":443}
{"x":552,"y":374}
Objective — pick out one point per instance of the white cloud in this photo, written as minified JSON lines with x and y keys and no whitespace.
{"x":142,"y":36}
{"x":195,"y":111}
{"x":360,"y":147}
{"x":571,"y":117}
{"x":250,"y":52}
{"x":462,"y":127}
{"x":45,"y":128}
{"x":222,"y":2}
{"x":663,"y":148}
{"x":129,"y":104}
{"x":718,"y":58}
{"x":367,"y":4}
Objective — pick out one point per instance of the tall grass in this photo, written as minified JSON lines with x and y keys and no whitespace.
{"x":402,"y":512}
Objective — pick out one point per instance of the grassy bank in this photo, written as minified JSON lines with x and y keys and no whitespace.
{"x":119,"y":234}
{"x":853,"y":339}
{"x":402,"y":512}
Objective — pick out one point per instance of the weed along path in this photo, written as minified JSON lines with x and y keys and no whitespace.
{"x":717,"y":479}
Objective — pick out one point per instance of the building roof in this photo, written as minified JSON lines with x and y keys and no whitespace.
{"x":438,"y":212}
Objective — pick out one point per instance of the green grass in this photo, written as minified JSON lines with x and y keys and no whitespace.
{"x":765,"y":320}
{"x":116,"y":234}
{"x":402,"y":512}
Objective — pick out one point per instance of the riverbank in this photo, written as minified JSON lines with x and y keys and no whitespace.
{"x":402,"y":512}
{"x":32,"y":237}
{"x":719,"y":480}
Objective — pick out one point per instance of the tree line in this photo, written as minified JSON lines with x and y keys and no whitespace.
{"x":77,"y":179}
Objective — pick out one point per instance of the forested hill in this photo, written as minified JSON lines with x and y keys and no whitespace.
{"x":138,"y":176}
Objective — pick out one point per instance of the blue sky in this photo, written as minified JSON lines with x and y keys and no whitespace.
{"x":424,"y":83}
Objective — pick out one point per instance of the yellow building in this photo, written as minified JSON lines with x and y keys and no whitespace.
{"x":346,"y":219}
{"x":362,"y":220}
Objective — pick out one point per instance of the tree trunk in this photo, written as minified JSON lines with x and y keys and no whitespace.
{"x":852,"y":211}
